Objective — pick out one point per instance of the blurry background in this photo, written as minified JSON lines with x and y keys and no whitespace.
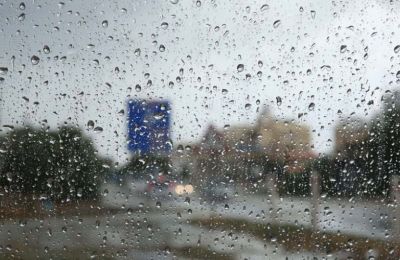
{"x":200,"y":129}
{"x":337,"y":55}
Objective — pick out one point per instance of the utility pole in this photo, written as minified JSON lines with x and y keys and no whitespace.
{"x":395,"y":190}
{"x":274,"y":196}
{"x":315,"y":195}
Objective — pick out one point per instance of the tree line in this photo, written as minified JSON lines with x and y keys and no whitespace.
{"x":62,"y":164}
{"x":364,"y":168}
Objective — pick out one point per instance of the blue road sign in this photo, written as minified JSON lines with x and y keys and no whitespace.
{"x":149,"y":127}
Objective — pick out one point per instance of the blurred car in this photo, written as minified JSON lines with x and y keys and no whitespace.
{"x":218,"y":192}
{"x":160,"y":190}
{"x":183,"y":189}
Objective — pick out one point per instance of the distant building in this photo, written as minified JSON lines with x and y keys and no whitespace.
{"x":241,"y":139}
{"x":183,"y":163}
{"x":351,"y":156}
{"x":202,"y":159}
{"x":243,"y":151}
{"x":285,"y":141}
{"x":350,"y":139}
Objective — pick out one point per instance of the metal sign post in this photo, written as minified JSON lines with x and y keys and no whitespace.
{"x":274,"y":195}
{"x":396,"y":211}
{"x":315,"y":195}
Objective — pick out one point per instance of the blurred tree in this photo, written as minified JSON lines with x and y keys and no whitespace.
{"x":359,"y":169}
{"x":376,"y":179}
{"x":59,"y":164}
{"x":367,"y":164}
{"x":185,"y":173}
{"x":388,"y":141}
{"x":325,"y":166}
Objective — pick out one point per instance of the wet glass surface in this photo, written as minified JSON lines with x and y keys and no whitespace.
{"x":199,"y":129}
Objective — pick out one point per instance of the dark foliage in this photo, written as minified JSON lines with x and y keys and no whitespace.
{"x":58,"y":165}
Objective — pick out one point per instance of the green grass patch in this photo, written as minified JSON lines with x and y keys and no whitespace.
{"x":201,"y":253}
{"x":296,"y":238}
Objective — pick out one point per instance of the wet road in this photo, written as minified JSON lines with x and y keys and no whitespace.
{"x":150,"y":229}
{"x":355,"y":217}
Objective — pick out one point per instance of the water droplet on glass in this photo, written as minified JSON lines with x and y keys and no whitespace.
{"x":240,"y":68}
{"x":198,"y":3}
{"x":174,"y":1}
{"x":104,"y":23}
{"x":138,"y":88}
{"x":396,"y":49}
{"x":137,"y":52}
{"x":3,"y":70}
{"x":326,"y":67}
{"x":278,"y":100}
{"x":264,"y":7}
{"x":98,"y":129}
{"x":398,"y":74}
{"x":247,"y":106}
{"x":158,"y":204}
{"x":343,"y":48}
{"x":22,"y":6}
{"x":162,"y":48}
{"x":311,"y":106}
{"x":159,"y":116}
{"x":313,"y":13}
{"x":187,"y":200}
{"x":46,"y":49}
{"x":21,"y":17}
{"x":164,"y":25}
{"x":35,"y":60}
{"x":277,"y":23}
{"x":90,"y":124}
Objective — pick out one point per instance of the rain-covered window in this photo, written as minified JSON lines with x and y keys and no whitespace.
{"x":200,"y":129}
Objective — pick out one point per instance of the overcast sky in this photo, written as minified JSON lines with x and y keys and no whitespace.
{"x":338,"y":55}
